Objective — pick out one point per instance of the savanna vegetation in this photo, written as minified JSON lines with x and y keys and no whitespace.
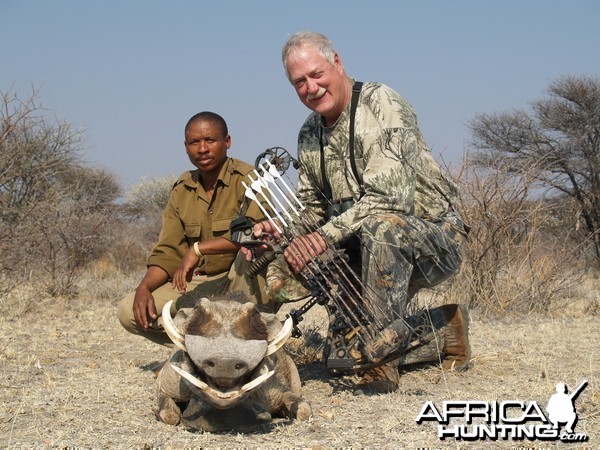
{"x":73,"y":242}
{"x":530,"y":190}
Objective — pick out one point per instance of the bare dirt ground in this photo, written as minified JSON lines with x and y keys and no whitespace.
{"x":70,"y":377}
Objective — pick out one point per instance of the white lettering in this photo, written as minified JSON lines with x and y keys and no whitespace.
{"x":533,"y":412}
{"x":433,"y":415}
{"x":477,"y":409}
{"x":444,"y":432}
{"x":453,"y":409}
{"x":512,"y":419}
{"x":505,"y":406}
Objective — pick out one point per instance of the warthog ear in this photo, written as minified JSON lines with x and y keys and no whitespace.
{"x":273,"y":324}
{"x":250,"y":324}
{"x":201,"y":320}
{"x":204,"y":302}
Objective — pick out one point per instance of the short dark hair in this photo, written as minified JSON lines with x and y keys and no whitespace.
{"x":208,"y":116}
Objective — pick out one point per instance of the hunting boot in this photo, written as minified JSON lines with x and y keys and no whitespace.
{"x":382,"y":379}
{"x":456,"y":349}
{"x":442,"y":335}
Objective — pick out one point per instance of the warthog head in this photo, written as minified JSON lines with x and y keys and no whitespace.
{"x":228,"y":343}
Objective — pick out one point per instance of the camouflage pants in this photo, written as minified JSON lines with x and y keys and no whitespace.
{"x":402,"y":254}
{"x":395,"y":257}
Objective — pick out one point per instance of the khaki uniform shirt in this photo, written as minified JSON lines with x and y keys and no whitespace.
{"x":191,"y":216}
{"x":394,"y":164}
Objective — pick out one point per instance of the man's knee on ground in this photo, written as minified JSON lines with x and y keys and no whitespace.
{"x":125,"y":314}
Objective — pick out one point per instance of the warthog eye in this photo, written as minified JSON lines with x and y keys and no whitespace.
{"x":209,"y":363}
{"x":240,"y":366}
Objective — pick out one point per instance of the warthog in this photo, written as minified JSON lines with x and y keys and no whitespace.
{"x":228,"y":367}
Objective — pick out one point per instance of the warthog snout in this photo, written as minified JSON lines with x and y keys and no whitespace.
{"x":225,"y":360}
{"x":225,"y":372}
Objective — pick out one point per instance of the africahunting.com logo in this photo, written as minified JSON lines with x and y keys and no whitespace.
{"x":507,"y":420}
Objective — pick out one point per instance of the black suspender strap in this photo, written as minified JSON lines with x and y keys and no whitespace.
{"x":353,"y":104}
{"x":326,"y":186}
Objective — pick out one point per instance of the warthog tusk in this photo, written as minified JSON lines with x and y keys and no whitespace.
{"x":174,"y":334}
{"x":223,"y":400}
{"x":257,"y":381}
{"x":192,"y":379}
{"x":281,"y":338}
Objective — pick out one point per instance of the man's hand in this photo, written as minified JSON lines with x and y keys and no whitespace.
{"x":304,"y":248}
{"x":185,"y":271}
{"x":260,"y":231}
{"x":144,"y":306}
{"x":300,"y":251}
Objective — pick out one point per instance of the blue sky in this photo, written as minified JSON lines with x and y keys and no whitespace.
{"x":131,"y":73}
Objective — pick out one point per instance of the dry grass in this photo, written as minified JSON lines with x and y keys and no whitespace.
{"x":71,"y":377}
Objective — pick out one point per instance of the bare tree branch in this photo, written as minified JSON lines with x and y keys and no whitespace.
{"x":557,"y":144}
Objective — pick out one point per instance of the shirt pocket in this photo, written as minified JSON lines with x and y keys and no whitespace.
{"x":221,"y":228}
{"x":192,"y":231}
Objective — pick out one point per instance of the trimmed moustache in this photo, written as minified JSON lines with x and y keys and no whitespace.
{"x":320,"y":93}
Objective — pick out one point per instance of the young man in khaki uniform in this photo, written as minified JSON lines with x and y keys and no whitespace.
{"x":194,"y":250}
